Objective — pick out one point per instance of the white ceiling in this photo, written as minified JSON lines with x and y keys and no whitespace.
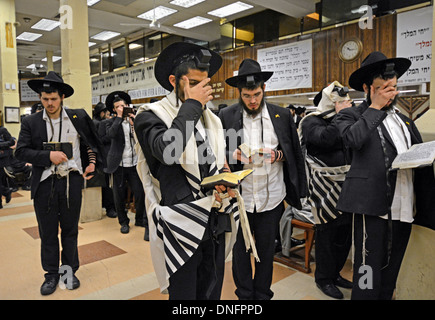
{"x":121,"y":16}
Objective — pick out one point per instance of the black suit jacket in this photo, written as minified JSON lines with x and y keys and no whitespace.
{"x":34,"y":132}
{"x":365,"y":189}
{"x":294,"y":166}
{"x":115,"y":133}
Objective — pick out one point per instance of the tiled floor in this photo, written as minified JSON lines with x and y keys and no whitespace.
{"x":113,"y":265}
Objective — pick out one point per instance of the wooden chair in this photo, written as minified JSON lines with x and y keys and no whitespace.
{"x":309,"y":231}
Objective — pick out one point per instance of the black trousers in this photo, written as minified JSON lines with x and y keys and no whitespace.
{"x":264,"y":227}
{"x":121,"y":177}
{"x":201,"y":277}
{"x":107,"y":195}
{"x":380,"y":284}
{"x":53,"y":210}
{"x":333,"y":241}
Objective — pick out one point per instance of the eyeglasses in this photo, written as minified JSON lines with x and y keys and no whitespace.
{"x":249,"y":97}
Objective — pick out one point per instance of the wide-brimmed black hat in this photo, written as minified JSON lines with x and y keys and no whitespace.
{"x":98,"y":108}
{"x":53,"y":80}
{"x":249,"y":67}
{"x":179,"y":52}
{"x":375,"y":63}
{"x":117,"y":94}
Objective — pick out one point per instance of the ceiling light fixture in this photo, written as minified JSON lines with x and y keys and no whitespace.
{"x":157,"y":13}
{"x":192,"y":22}
{"x":46,"y":25}
{"x":92,"y":2}
{"x":186,"y":3}
{"x":29,"y":36}
{"x":105,"y":35}
{"x":230,"y":9}
{"x":55,"y":58}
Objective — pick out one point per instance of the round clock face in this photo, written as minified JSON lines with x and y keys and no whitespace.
{"x":350,"y":50}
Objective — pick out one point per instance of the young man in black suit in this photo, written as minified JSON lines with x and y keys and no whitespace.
{"x":122,"y":161}
{"x":279,"y":173}
{"x":57,"y":179}
{"x":385,"y":202}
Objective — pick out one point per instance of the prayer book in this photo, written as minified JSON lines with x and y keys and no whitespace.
{"x":65,"y":147}
{"x":248,"y":152}
{"x":419,"y":155}
{"x":229,"y":179}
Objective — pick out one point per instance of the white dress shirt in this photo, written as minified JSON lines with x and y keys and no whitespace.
{"x":129,"y":157}
{"x":264,"y":189}
{"x":68,"y":134}
{"x":402,"y":208}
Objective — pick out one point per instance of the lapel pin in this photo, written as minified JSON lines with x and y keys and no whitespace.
{"x":277,"y":116}
{"x":74,"y":116}
{"x":407,"y":123}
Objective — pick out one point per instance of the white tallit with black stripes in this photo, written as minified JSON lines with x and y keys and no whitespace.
{"x":324,"y":183}
{"x":176,"y":231}
{"x":324,"y":187}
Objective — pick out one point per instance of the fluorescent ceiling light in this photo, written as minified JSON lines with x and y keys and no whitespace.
{"x":46,"y":25}
{"x":34,"y":66}
{"x":133,"y":46}
{"x":29,"y":36}
{"x":105,"y":35}
{"x":230,"y":9}
{"x":92,"y":2}
{"x":186,"y":3}
{"x":192,"y":22}
{"x":90,"y":44}
{"x":157,"y":13}
{"x":55,"y":58}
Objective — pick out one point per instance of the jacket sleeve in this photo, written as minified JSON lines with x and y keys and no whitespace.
{"x":299,"y":158}
{"x":320,"y":133}
{"x":26,"y":151}
{"x":113,"y":128}
{"x":356,"y":128}
{"x":162,"y":139}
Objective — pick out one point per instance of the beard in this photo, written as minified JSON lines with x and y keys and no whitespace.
{"x":252,"y":112}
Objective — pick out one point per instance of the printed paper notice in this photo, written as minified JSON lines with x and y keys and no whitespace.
{"x":291,"y":65}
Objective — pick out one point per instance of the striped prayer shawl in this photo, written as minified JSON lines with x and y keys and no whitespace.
{"x":177,"y":230}
{"x":324,"y":187}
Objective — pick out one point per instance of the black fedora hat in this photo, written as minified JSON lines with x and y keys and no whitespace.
{"x":249,"y":67}
{"x":117,"y":94}
{"x":98,"y":108}
{"x":179,"y":52}
{"x":53,"y":80}
{"x":373,"y":64}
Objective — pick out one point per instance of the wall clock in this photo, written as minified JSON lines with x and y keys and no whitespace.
{"x":350,"y":50}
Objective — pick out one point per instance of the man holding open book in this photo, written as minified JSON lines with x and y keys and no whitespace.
{"x":181,"y":142}
{"x":262,"y":137}
{"x":385,"y":202}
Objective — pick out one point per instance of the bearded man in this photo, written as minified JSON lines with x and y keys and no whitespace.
{"x":279,"y":173}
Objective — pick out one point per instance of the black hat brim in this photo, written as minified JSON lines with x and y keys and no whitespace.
{"x":360,"y":76}
{"x":234,"y":81}
{"x":111,"y":97}
{"x":37,"y":84}
{"x":164,"y":64}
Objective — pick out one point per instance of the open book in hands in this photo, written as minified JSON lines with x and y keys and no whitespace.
{"x":257,"y":155}
{"x":419,"y":155}
{"x":228,"y":179}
